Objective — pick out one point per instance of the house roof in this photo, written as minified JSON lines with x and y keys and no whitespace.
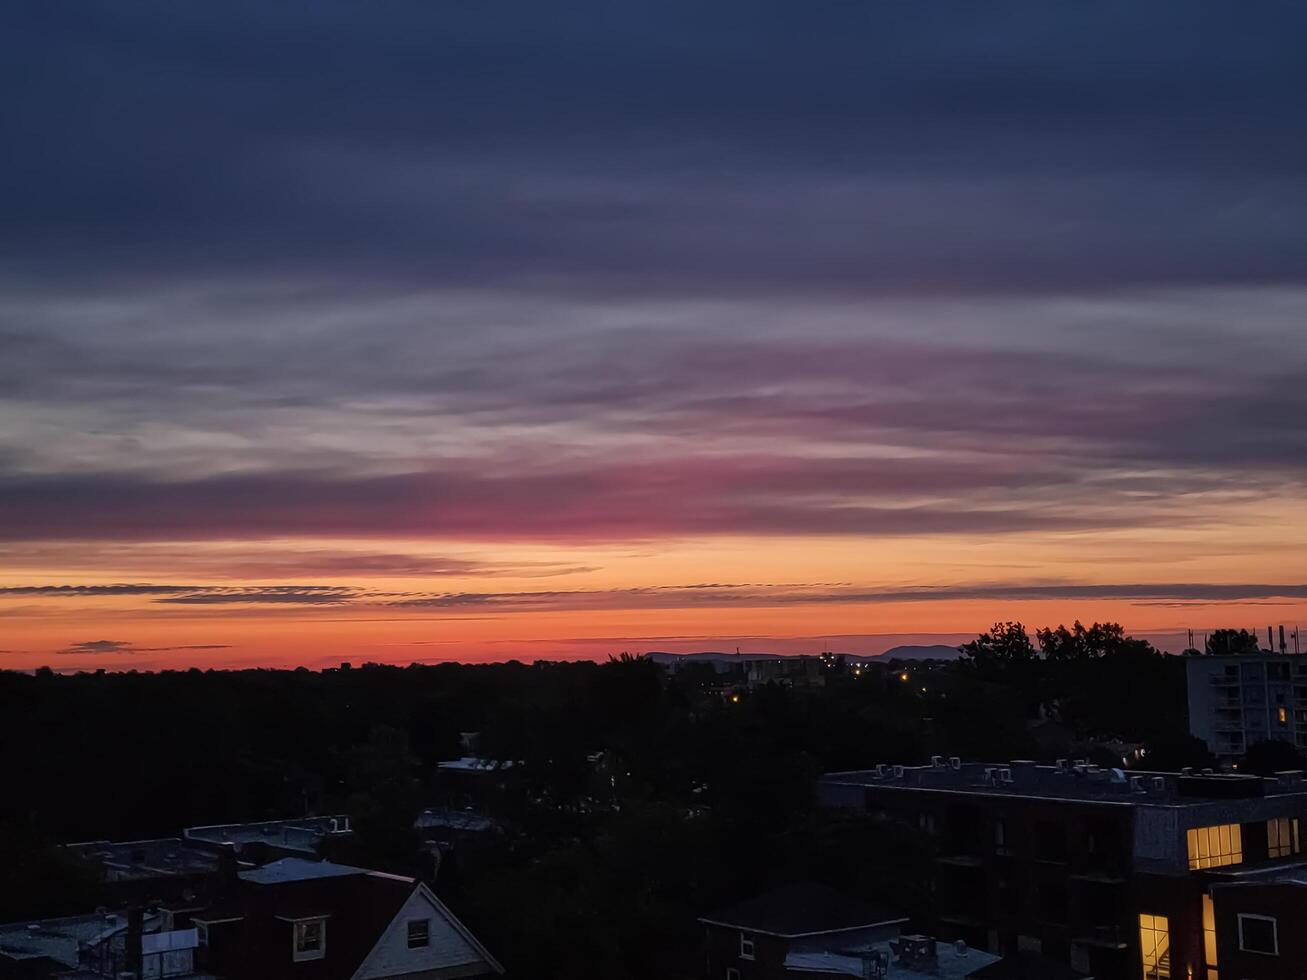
{"x":1027,"y":965}
{"x":298,"y":869}
{"x":358,"y":905}
{"x":804,"y":908}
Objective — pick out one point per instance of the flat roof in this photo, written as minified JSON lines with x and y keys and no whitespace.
{"x":1075,"y":782}
{"x":138,"y":860}
{"x":300,"y":834}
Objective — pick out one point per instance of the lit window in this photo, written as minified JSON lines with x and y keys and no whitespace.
{"x":1215,"y":847}
{"x":1282,"y":836}
{"x":419,"y":933}
{"x":1283,"y":716}
{"x":1155,"y":946}
{"x":1209,"y":937}
{"x":1258,"y":934}
{"x":746,"y":946}
{"x":310,"y":940}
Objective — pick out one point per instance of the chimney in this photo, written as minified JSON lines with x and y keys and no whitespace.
{"x":227,"y":868}
{"x":132,"y":955}
{"x":1284,"y":647}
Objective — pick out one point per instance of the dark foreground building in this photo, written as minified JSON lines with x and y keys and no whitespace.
{"x":323,"y":921}
{"x":1152,"y":875}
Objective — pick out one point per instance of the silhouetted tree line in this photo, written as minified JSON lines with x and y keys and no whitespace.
{"x":630,"y":800}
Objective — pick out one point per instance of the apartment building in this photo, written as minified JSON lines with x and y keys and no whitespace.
{"x":1115,"y":874}
{"x":1238,"y":700}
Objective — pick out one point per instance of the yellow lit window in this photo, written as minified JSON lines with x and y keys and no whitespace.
{"x":1282,"y":836}
{"x":1155,"y":946}
{"x":1209,"y":937}
{"x":1214,"y":847}
{"x":1284,"y":716}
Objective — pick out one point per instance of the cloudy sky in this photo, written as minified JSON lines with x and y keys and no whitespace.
{"x":488,"y":329}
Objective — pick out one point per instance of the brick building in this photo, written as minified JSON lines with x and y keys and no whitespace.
{"x":1113,"y":874}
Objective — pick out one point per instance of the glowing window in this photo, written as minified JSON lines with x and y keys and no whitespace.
{"x":1155,"y":946}
{"x":1283,"y":716}
{"x":1209,"y":937}
{"x":1215,"y":847}
{"x":1282,"y":836}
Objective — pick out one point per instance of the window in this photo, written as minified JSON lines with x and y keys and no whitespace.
{"x":1215,"y":847}
{"x":732,"y":973}
{"x":1155,"y":946}
{"x":1258,"y":934}
{"x":746,"y":946}
{"x":202,"y":933}
{"x":1282,"y":836}
{"x":1209,"y":937}
{"x":1283,"y":715}
{"x":926,"y":823}
{"x":419,"y":933}
{"x":1000,"y":837}
{"x":310,"y":940}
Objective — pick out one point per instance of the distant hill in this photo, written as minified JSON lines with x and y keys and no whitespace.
{"x":722,"y":661}
{"x":933,"y":651}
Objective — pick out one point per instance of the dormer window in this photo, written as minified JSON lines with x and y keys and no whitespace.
{"x":310,"y":940}
{"x":419,"y":933}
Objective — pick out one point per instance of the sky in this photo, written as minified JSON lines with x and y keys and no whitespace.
{"x":488,"y":330}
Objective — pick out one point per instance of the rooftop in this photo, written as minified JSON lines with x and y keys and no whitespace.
{"x":298,"y":869}
{"x":472,"y":763}
{"x":802,"y":909}
{"x":59,"y":939}
{"x":952,"y":961}
{"x":301,"y":834}
{"x":443,"y":818}
{"x":144,"y":859}
{"x":1069,"y":780}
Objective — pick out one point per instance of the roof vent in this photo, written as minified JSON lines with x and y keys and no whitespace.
{"x":1005,"y":775}
{"x":1137,"y":784}
{"x":937,"y":761}
{"x":898,"y":772}
{"x":955,"y":762}
{"x":1159,"y":784}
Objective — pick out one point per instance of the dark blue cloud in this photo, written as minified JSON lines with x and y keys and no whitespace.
{"x":657,"y":146}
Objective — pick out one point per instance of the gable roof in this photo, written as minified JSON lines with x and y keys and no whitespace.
{"x":466,"y":967}
{"x":358,"y":905}
{"x":805,"y":908}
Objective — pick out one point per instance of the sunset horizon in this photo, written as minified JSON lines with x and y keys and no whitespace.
{"x":504,"y":343}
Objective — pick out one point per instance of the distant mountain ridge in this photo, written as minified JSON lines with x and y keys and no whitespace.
{"x":931,"y":651}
